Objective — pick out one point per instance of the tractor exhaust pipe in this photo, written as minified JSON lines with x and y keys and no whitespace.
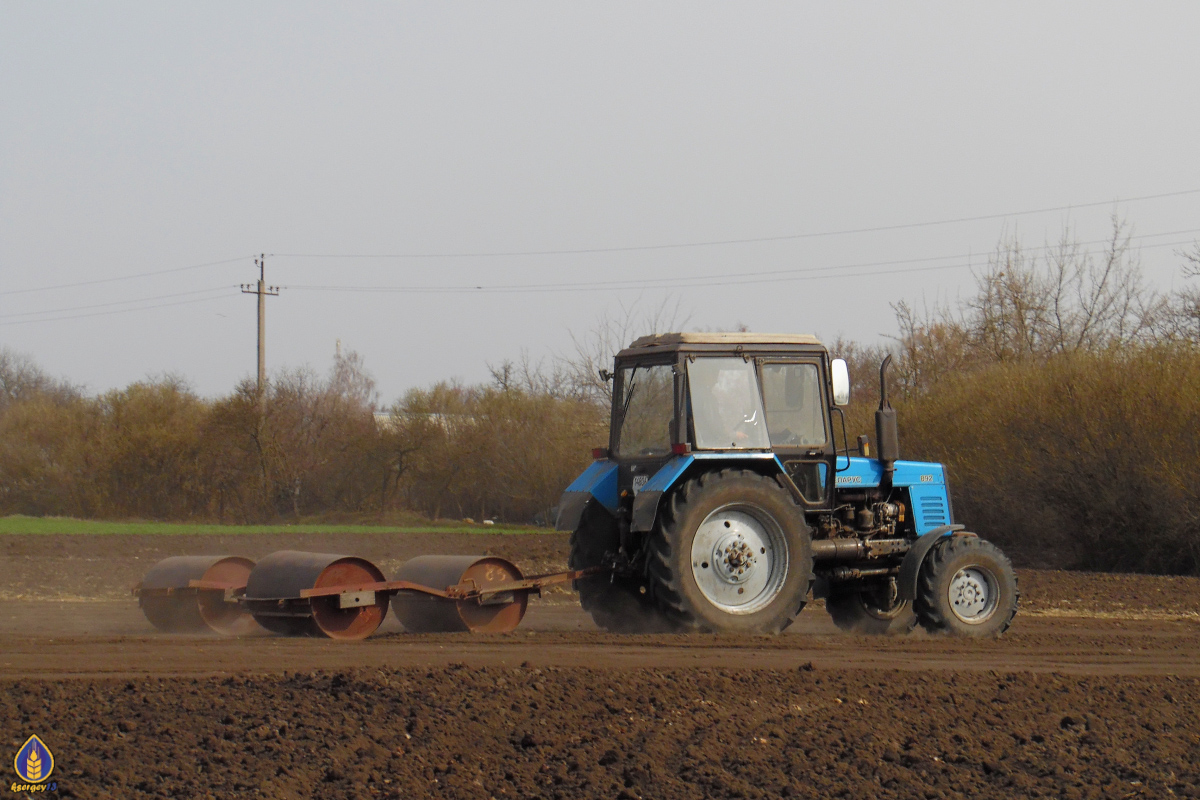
{"x":887,"y":435}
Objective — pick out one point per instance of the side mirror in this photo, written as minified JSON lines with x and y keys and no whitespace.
{"x":841,"y":382}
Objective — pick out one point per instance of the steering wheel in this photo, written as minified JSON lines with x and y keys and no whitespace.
{"x":787,"y":436}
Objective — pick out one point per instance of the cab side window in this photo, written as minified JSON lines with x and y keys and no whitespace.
{"x":792,"y":404}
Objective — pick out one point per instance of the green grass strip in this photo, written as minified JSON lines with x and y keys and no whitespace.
{"x":22,"y":525}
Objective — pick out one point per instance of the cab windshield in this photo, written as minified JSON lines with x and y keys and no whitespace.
{"x":727,"y":410}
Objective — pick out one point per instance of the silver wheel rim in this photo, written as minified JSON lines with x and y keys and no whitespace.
{"x":973,"y":595}
{"x":739,"y":559}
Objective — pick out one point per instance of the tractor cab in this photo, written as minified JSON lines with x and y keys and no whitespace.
{"x":725,"y":395}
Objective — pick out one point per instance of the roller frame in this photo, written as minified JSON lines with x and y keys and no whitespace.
{"x":463,"y":591}
{"x":460,"y":591}
{"x":364,"y":594}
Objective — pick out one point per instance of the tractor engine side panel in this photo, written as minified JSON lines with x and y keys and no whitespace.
{"x":928,"y":494}
{"x":930,"y":506}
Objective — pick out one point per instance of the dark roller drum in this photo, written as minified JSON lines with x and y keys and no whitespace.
{"x":421,"y":613}
{"x":172,"y":605}
{"x":273,"y":595}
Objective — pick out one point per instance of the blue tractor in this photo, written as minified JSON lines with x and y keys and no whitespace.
{"x":729,"y":493}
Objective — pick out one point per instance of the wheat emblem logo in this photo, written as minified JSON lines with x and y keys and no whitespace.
{"x":34,"y":761}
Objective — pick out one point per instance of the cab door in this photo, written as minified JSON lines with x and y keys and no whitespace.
{"x":797,"y":425}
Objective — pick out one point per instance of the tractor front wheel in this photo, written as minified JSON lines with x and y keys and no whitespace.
{"x":731,"y":552}
{"x":875,"y":609}
{"x":966,"y":587}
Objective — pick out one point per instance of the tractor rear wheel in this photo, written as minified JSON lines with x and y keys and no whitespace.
{"x":874,"y":609}
{"x":615,"y":605}
{"x":731,"y":552}
{"x":966,"y":587}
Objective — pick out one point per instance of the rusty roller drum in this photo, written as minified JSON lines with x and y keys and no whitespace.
{"x":421,"y":613}
{"x":273,"y":595}
{"x":173,"y":606}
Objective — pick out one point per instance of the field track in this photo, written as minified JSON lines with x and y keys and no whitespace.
{"x":1093,"y":693}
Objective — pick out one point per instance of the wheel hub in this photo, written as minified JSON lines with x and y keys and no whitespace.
{"x":733,"y":558}
{"x":739,"y":559}
{"x":972,"y":594}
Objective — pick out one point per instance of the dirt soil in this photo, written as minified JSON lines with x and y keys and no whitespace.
{"x":1093,"y":693}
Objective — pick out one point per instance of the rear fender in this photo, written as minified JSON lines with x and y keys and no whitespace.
{"x":598,"y":484}
{"x":648,"y":499}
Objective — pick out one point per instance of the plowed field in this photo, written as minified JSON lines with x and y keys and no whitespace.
{"x":1093,"y":693}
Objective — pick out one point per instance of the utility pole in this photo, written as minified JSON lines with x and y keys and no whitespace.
{"x":263,"y":291}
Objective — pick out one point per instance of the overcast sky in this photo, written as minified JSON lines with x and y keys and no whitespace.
{"x":141,"y":138}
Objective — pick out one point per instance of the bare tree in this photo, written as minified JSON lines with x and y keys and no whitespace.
{"x":1112,"y":304}
{"x":1069,"y":300}
{"x":862,"y":361}
{"x":350,"y":380}
{"x":1182,"y":317}
{"x":1033,"y":307}
{"x":612,"y":333}
{"x":22,"y":379}
{"x":933,"y":345}
{"x":552,"y":379}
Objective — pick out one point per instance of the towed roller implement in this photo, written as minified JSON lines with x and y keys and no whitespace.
{"x":296,"y":593}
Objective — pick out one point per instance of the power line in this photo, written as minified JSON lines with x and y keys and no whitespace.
{"x":722,"y":279}
{"x":118,"y":311}
{"x":752,"y":240}
{"x":678,"y":284}
{"x":124,"y":277}
{"x":580,"y":286}
{"x":114,"y":303}
{"x":629,"y":248}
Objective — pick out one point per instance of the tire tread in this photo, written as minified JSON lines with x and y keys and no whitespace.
{"x":664,"y":582}
{"x":928,"y":610}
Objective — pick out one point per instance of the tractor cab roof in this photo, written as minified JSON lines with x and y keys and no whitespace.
{"x":721,"y":341}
